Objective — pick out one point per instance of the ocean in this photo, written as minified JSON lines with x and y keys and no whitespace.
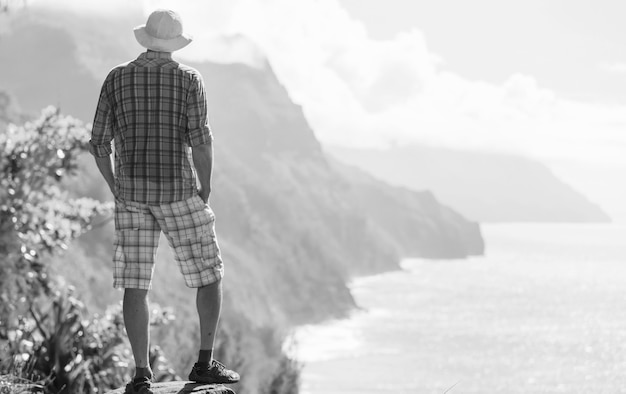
{"x":544,"y":311}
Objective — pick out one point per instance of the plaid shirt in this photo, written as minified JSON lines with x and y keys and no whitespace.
{"x":154,"y":109}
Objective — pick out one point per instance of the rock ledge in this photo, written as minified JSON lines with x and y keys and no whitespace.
{"x":184,"y":388}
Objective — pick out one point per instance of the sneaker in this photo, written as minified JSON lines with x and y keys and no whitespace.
{"x":139,"y":386}
{"x":215,"y":372}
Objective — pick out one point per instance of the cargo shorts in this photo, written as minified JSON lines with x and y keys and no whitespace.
{"x":188,"y":225}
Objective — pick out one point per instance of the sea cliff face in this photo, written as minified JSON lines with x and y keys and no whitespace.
{"x":482,"y":186}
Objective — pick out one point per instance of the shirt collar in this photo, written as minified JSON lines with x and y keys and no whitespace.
{"x":156,"y":55}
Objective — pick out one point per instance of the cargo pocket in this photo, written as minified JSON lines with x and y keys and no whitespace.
{"x":129,"y":218}
{"x":195,"y":249}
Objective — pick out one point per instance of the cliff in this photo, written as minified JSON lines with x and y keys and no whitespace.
{"x":482,"y":186}
{"x":184,"y":388}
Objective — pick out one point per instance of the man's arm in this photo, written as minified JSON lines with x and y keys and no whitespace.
{"x":199,"y":136}
{"x":203,"y":161}
{"x":101,"y":137}
{"x":106,"y":169}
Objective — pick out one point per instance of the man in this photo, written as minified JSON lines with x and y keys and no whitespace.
{"x":155,"y":111}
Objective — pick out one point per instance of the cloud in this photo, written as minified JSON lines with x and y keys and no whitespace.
{"x":355,"y":90}
{"x":613,"y":68}
{"x":111,"y":8}
{"x":4,"y":24}
{"x":383,"y":74}
{"x":234,"y":49}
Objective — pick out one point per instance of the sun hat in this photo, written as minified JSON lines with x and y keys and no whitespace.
{"x":163,"y":32}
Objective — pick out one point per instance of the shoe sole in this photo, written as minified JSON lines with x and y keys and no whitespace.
{"x":212,"y":382}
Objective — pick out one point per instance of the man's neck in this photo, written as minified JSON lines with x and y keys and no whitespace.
{"x":150,"y":54}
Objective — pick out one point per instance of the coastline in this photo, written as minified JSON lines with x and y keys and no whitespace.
{"x":531,"y":316}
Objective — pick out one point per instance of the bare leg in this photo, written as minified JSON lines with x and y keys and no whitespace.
{"x":137,"y":321}
{"x":209,"y":304}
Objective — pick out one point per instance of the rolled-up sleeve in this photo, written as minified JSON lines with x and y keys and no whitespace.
{"x":198,"y":129}
{"x":102,"y":130}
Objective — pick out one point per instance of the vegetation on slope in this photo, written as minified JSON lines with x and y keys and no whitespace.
{"x":47,"y":338}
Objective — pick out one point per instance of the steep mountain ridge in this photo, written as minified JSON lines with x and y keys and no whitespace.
{"x":254,"y":112}
{"x":483,"y":186}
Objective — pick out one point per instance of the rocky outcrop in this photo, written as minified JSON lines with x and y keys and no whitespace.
{"x":184,"y":388}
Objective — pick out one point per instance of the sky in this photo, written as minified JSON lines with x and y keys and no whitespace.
{"x":574,"y":50}
{"x":541,"y":78}
{"x":571,"y":46}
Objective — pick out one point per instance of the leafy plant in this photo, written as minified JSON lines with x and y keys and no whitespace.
{"x":63,"y":352}
{"x":36,"y":216}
